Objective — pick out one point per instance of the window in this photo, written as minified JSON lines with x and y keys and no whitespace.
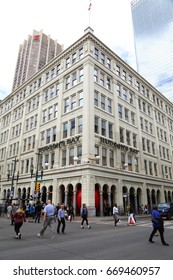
{"x":128,"y":137}
{"x":31,"y":122}
{"x":126,"y":112}
{"x":54,"y":134}
{"x":48,"y":136}
{"x":57,"y":89}
{"x":109,"y":105}
{"x":120,"y":111}
{"x":52,"y":160}
{"x":50,"y":111}
{"x":103,"y":102}
{"x":118,"y":70}
{"x":111,"y":158}
{"x":121,"y":135}
{"x":134,"y":140}
{"x":80,"y":122}
{"x":125,"y":94}
{"x":101,"y":79}
{"x":58,"y":69}
{"x":96,"y":125}
{"x":95,"y":75}
{"x":104,"y":157}
{"x":79,"y":153}
{"x":55,"y":111}
{"x":133,"y":118}
{"x":130,"y":80}
{"x":130,"y":163}
{"x":143,"y":144}
{"x":52,"y":73}
{"x":108,"y":83}
{"x":73,"y":58}
{"x":65,"y":130}
{"x":80,"y":98}
{"x":47,"y":77}
{"x":71,"y":156}
{"x":80,"y":53}
{"x":63,"y":157}
{"x":74,"y":79}
{"x":103,"y":127}
{"x":124,"y":75}
{"x":102,"y":58}
{"x":81,"y":75}
{"x":52,"y":92}
{"x":73,"y":102}
{"x":110,"y":130}
{"x":67,"y":83}
{"x":29,"y":143}
{"x":96,"y":53}
{"x":131,"y":97}
{"x":68,"y":62}
{"x":119,"y":90}
{"x":44,"y":114}
{"x":108,"y":62}
{"x":72,"y":127}
{"x":95,"y":98}
{"x":46,"y":95}
{"x":66,"y":105}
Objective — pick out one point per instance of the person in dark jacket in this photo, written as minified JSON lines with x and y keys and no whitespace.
{"x":38,"y":212}
{"x":84,"y":216}
{"x":158,"y":224}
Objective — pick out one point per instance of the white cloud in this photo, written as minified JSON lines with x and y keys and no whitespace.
{"x":64,"y":20}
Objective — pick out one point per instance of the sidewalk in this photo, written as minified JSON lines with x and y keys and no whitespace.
{"x":110,"y":218}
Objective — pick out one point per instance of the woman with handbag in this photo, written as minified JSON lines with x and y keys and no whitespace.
{"x":158,"y":224}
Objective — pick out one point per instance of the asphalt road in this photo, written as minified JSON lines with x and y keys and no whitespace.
{"x":102,"y":242}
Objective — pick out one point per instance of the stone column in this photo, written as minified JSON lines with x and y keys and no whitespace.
{"x":65,"y":202}
{"x":119,"y":195}
{"x":74,"y":202}
{"x":136,"y":205}
{"x":162,"y":194}
{"x":101,"y":203}
{"x":109,"y":198}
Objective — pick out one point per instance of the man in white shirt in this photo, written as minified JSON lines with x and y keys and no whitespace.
{"x":115,"y":214}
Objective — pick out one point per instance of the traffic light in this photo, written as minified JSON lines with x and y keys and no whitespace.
{"x":38,"y":186}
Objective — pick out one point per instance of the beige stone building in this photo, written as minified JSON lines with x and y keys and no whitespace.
{"x":96,"y":130}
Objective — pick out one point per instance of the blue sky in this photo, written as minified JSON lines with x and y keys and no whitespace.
{"x":64,"y":20}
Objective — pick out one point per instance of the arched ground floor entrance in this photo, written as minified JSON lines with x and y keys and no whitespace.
{"x":99,"y":192}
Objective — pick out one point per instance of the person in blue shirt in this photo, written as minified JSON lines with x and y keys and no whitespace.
{"x":158,"y":224}
{"x":48,"y":219}
{"x":61,"y":219}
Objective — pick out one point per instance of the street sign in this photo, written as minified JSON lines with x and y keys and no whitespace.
{"x":40,"y":181}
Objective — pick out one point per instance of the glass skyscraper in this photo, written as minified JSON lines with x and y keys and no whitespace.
{"x":153,"y":36}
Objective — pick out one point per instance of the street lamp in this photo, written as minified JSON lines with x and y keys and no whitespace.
{"x":13,"y":177}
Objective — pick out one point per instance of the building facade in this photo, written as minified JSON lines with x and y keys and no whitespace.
{"x":89,"y":129}
{"x":34,"y":54}
{"x":153,"y":35}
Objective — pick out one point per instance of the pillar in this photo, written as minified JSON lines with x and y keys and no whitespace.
{"x":74,"y":202}
{"x":101,"y":203}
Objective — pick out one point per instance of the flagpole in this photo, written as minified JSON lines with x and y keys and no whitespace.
{"x":89,"y":9}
